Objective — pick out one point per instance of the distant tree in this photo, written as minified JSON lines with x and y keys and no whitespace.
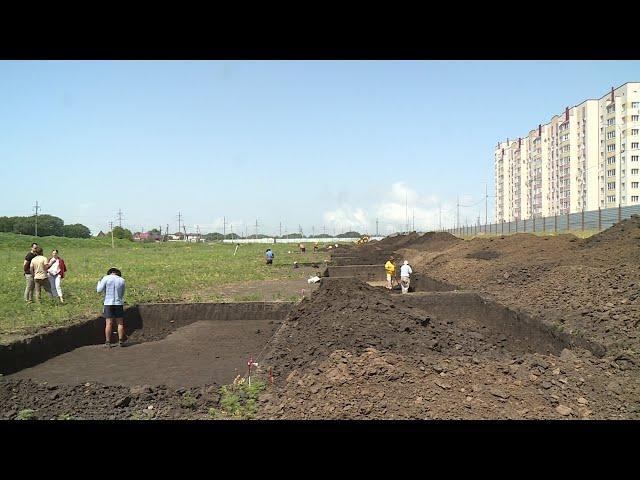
{"x":47,"y":225}
{"x":124,"y":233}
{"x":291,"y":235}
{"x":213,"y":237}
{"x":323,"y":235}
{"x":351,"y":234}
{"x":232,"y":236}
{"x":6,"y":223}
{"x":155,"y":231}
{"x":76,"y":230}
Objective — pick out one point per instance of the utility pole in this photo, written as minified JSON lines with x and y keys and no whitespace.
{"x":179,"y":220}
{"x":256,"y":228}
{"x":486,"y":202}
{"x":313,"y":231}
{"x":300,"y":230}
{"x":458,"y":212}
{"x":231,"y":231}
{"x":36,"y":208}
{"x":413,"y":221}
{"x":440,"y":218}
{"x":224,"y":227}
{"x":167,"y":231}
{"x":376,"y":226}
{"x":111,"y":227}
{"x":406,"y":212}
{"x":120,"y":218}
{"x":280,"y":229}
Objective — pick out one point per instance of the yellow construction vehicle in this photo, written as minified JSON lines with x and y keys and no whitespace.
{"x":363,"y":239}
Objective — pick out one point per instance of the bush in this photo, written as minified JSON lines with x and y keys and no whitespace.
{"x":77,"y":230}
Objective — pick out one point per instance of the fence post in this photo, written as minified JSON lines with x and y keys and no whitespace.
{"x":619,"y":212}
{"x":509,"y":225}
{"x":555,"y":223}
{"x":502,"y":231}
{"x":534,"y":224}
{"x":544,"y":224}
{"x":582,"y":220}
{"x":567,"y":220}
{"x":525,"y":226}
{"x":599,"y":219}
{"x":516,"y":225}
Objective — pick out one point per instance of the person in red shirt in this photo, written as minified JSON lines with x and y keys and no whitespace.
{"x":56,"y":270}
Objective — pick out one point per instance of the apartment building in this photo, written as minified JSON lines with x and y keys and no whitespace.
{"x":582,"y":159}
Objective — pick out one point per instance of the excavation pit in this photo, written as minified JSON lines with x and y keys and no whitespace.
{"x":178,"y":345}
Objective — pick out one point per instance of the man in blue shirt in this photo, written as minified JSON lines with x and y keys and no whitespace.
{"x":269,"y":255}
{"x":112,"y":284}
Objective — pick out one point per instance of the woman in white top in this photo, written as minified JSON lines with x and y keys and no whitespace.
{"x":56,"y":274}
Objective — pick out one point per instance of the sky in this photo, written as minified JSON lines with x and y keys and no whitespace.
{"x":322,"y":146}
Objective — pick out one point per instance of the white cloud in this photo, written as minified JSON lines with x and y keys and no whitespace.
{"x":402,"y":204}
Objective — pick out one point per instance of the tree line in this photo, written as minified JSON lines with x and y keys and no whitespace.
{"x":47,"y":225}
{"x":215,"y":236}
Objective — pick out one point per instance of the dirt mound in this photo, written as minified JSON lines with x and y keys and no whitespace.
{"x":350,"y":352}
{"x":620,"y":242}
{"x":484,"y":254}
{"x":433,"y":241}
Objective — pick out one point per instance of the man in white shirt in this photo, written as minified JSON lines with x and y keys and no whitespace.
{"x":405,"y":272}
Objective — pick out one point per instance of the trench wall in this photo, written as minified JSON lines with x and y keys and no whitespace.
{"x":148,"y":319}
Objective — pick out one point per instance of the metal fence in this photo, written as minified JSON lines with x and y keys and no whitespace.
{"x":598,"y":220}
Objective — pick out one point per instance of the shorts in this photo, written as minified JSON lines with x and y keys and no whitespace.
{"x":113,"y":311}
{"x":269,"y":261}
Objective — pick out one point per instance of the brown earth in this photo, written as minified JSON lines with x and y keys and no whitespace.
{"x":352,"y":352}
{"x":590,"y":287}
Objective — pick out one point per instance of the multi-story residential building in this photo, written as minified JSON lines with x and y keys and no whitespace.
{"x":582,"y":159}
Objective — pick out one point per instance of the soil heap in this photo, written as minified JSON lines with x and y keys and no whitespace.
{"x":353,"y":352}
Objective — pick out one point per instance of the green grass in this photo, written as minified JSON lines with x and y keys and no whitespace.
{"x":166,"y":272}
{"x":238,"y":400}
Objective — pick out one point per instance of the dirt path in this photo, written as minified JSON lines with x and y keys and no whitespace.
{"x":287,"y":289}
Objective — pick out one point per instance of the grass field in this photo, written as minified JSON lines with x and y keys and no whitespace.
{"x":153,"y":272}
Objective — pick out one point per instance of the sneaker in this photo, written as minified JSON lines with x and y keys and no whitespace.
{"x":107,"y":344}
{"x":122,"y":343}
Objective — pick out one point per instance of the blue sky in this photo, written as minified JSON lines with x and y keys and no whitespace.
{"x":319,"y":144}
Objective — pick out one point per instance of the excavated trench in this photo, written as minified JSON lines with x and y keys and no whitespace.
{"x":169,"y":344}
{"x":518,"y":330}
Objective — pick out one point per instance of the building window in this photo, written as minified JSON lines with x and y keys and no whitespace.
{"x":634,"y":158}
{"x":611,"y":173}
{"x":611,"y":121}
{"x":611,"y":148}
{"x":611,"y":198}
{"x":635,"y":131}
{"x":634,"y":144}
{"x":635,"y":118}
{"x":611,"y":108}
{"x":635,"y":104}
{"x":634,"y":184}
{"x":611,"y":160}
{"x":611,"y":185}
{"x":634,"y":198}
{"x":611,"y":134}
{"x":634,"y":171}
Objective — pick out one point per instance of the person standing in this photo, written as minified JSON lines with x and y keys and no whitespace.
{"x":56,"y":271}
{"x":269,"y":256}
{"x":405,"y":272}
{"x":113,"y":286}
{"x":39,"y":265}
{"x":28,"y":276}
{"x":302,"y":248}
{"x":390,"y":268}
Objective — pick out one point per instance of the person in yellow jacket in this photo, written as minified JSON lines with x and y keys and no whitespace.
{"x":390,"y":267}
